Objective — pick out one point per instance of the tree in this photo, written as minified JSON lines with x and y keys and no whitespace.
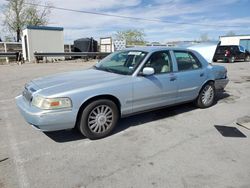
{"x":19,"y":13}
{"x":204,"y":37}
{"x":132,"y":36}
{"x":230,"y":33}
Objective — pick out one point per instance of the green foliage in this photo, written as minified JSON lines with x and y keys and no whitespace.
{"x":18,"y":14}
{"x":204,"y":37}
{"x":132,"y":36}
{"x":230,"y":33}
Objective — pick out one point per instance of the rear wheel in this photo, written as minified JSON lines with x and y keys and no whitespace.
{"x":206,"y":96}
{"x":98,"y":119}
{"x":247,"y":58}
{"x":231,"y":59}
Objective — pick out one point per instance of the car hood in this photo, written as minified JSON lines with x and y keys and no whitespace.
{"x":75,"y":79}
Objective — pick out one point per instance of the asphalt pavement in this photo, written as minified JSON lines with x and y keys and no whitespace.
{"x":176,"y":147}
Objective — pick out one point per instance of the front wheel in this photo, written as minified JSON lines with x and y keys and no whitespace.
{"x":98,"y":119}
{"x":206,"y":96}
{"x":247,"y":59}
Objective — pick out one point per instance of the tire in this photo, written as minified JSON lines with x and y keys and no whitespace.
{"x":206,"y":96}
{"x":231,"y":59}
{"x":247,"y":59}
{"x":98,"y":119}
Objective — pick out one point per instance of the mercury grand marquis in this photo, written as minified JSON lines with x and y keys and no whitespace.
{"x":126,"y":82}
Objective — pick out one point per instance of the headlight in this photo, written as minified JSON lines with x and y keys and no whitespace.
{"x":51,"y":103}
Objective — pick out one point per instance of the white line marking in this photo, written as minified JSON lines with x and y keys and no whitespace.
{"x":20,"y":170}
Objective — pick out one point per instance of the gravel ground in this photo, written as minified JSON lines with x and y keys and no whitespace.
{"x":173,"y":147}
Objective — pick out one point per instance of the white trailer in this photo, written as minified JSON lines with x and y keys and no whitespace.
{"x":41,"y":39}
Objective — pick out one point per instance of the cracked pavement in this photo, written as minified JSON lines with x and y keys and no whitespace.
{"x":173,"y":147}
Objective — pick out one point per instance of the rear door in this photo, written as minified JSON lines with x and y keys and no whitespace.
{"x":190,"y":75}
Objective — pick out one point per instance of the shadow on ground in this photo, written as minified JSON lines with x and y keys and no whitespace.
{"x":223,"y":97}
{"x":125,"y":123}
{"x":65,"y":135}
{"x":147,"y":117}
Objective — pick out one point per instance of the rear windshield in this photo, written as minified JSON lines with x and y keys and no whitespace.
{"x":222,"y":49}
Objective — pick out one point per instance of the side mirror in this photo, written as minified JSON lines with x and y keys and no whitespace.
{"x":147,"y":71}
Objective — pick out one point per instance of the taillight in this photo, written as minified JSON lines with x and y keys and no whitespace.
{"x":227,"y":53}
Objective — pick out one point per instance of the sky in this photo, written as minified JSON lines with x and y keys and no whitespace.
{"x":201,"y":17}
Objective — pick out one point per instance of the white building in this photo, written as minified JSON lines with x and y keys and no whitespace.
{"x":106,"y":45}
{"x":243,"y":40}
{"x":41,"y":39}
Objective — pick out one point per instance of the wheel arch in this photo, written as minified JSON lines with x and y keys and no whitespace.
{"x":206,"y":82}
{"x":197,"y":100}
{"x":103,"y":96}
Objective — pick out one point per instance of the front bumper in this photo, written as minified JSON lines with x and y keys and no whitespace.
{"x":46,"y":120}
{"x":220,"y":84}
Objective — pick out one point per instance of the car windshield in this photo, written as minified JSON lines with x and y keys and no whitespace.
{"x":122,"y":62}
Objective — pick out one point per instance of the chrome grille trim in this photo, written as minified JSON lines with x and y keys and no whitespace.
{"x":27,"y":95}
{"x":27,"y":92}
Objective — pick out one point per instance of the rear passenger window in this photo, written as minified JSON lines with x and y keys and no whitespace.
{"x":186,"y":61}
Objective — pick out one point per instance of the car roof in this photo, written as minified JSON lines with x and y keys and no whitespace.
{"x":155,"y":48}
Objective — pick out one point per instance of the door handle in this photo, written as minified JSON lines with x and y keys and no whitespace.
{"x":202,"y":74}
{"x":173,"y":78}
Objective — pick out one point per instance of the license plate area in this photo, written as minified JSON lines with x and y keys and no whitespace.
{"x":27,"y":95}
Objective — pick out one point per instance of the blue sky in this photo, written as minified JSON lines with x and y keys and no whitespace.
{"x":212,"y":13}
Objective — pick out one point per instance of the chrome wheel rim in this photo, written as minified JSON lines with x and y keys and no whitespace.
{"x":248,"y":58}
{"x":207,"y":95}
{"x":232,"y":59}
{"x":100,"y":119}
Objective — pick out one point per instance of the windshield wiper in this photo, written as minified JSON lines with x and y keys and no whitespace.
{"x":108,"y":69}
{"x":104,"y":69}
{"x":95,"y":67}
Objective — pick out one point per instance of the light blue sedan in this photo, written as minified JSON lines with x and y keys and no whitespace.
{"x":124,"y":83}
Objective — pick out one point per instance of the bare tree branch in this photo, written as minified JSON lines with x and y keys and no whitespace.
{"x":18,"y":14}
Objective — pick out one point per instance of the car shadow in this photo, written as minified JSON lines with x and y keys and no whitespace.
{"x":221,"y":96}
{"x":68,"y":135}
{"x":135,"y":120}
{"x":224,"y":62}
{"x":151,"y":116}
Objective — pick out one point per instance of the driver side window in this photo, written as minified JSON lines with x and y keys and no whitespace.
{"x":160,"y":61}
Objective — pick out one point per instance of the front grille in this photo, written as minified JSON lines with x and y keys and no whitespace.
{"x":27,"y":95}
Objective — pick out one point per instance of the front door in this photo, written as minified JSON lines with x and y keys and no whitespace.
{"x":159,"y":89}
